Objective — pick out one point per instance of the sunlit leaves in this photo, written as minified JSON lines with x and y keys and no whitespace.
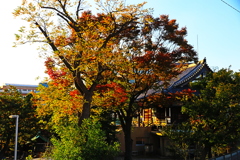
{"x":122,"y":44}
{"x":81,"y":143}
{"x":214,"y":114}
{"x":58,"y":101}
{"x":112,"y":95}
{"x":106,"y":59}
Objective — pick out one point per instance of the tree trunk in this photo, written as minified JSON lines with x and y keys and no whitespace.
{"x":209,"y":152}
{"x":128,"y":139}
{"x":85,"y":110}
{"x":206,"y":151}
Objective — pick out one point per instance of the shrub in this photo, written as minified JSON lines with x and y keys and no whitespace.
{"x":82,"y":143}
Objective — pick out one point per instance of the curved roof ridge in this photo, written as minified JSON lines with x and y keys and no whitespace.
{"x":190,"y":74}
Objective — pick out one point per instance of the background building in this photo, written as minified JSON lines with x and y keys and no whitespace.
{"x":22,"y":88}
{"x":146,"y":135}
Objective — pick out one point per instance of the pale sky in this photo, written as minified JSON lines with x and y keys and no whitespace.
{"x":213,"y":29}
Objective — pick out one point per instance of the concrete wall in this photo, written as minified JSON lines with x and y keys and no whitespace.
{"x":139,"y":134}
{"x":156,"y":144}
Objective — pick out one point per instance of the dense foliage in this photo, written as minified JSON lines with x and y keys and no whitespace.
{"x":82,"y":143}
{"x":214,"y":114}
{"x":107,"y":60}
{"x":13,"y":103}
{"x":84,"y":46}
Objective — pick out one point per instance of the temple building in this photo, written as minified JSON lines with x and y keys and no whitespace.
{"x":147,"y":136}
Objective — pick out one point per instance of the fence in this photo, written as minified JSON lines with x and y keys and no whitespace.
{"x":232,"y":156}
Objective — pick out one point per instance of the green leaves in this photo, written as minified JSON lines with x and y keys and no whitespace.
{"x":122,"y":45}
{"x":180,"y":139}
{"x":214,"y":114}
{"x":82,"y":143}
{"x":11,"y":103}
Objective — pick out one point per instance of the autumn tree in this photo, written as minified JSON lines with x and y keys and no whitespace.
{"x":148,"y":65}
{"x":84,"y":44}
{"x":13,"y":103}
{"x":58,"y":109}
{"x":157,"y":53}
{"x":115,"y":56}
{"x":214,"y":114}
{"x":57,"y":100}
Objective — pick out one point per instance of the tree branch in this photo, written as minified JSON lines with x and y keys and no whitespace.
{"x":79,"y":83}
{"x":121,"y":117}
{"x":51,"y":8}
{"x":64,"y":15}
{"x":67,"y":15}
{"x":78,"y":8}
{"x":54,"y":48}
{"x":116,"y":33}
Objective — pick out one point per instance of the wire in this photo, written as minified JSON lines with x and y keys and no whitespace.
{"x":230,"y":6}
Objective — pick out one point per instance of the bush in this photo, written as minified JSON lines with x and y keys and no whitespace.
{"x":82,"y":143}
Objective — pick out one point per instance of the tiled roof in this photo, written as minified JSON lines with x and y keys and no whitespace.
{"x":188,"y":75}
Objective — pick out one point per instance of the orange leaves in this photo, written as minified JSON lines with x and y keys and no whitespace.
{"x":98,"y":23}
{"x":170,"y":34}
{"x":117,"y":44}
{"x":168,"y":99}
{"x":92,"y":58}
{"x":154,"y":59}
{"x":113,"y":94}
{"x":62,"y":41}
{"x":182,"y":32}
{"x":172,"y":22}
{"x":86,"y":15}
{"x":189,"y":91}
{"x":74,"y":93}
{"x":58,"y":101}
{"x":57,"y":76}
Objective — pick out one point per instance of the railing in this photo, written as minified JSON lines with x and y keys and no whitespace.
{"x":231,"y":156}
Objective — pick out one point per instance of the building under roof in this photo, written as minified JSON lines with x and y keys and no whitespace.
{"x":190,"y":74}
{"x":22,"y":88}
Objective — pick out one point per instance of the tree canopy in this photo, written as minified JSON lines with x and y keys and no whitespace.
{"x":214,"y":114}
{"x":81,"y":43}
{"x":92,"y":48}
{"x":107,"y":59}
{"x":13,"y":103}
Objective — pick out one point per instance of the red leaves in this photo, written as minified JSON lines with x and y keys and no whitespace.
{"x":57,"y":76}
{"x":74,"y":93}
{"x":146,"y":58}
{"x":158,"y":58}
{"x":184,"y":93}
{"x":115,"y":94}
{"x":53,"y":74}
{"x":169,"y":33}
{"x":188,"y":91}
{"x":168,"y":99}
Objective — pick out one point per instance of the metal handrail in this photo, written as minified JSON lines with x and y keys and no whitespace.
{"x":235,"y":155}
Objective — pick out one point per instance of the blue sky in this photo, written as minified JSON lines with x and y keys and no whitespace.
{"x":213,"y":29}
